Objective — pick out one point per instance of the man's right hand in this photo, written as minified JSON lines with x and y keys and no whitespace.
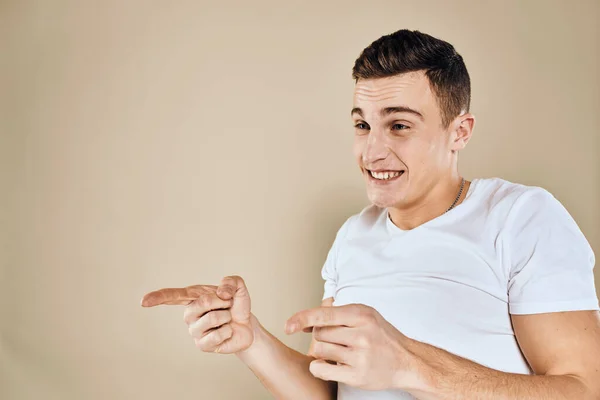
{"x":218,"y":317}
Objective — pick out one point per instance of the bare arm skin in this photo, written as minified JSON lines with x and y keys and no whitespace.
{"x":219,"y":320}
{"x":562,"y":348}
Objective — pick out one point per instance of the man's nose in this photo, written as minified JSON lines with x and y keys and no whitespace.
{"x":375,"y":148}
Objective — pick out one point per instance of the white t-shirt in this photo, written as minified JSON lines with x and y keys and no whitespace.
{"x":454,"y":281}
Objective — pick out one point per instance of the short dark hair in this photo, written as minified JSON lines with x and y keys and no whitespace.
{"x":407,"y":51}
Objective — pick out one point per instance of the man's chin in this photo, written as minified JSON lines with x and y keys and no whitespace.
{"x":382,"y":201}
{"x":386,"y":195}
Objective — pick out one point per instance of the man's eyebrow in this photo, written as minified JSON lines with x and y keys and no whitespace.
{"x":357,"y":110}
{"x":389,"y":110}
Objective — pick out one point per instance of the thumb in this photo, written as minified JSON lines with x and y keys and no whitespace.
{"x":234,"y":287}
{"x":226,"y":291}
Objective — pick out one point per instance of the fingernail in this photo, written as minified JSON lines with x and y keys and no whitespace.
{"x":290,"y":327}
{"x":225,"y":290}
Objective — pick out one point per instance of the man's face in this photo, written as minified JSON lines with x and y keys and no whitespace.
{"x":400,"y":144}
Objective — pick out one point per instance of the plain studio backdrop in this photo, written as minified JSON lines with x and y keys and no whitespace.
{"x":148,"y":144}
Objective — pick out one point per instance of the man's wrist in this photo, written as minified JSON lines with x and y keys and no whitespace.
{"x":247,"y":354}
{"x":414,"y":375}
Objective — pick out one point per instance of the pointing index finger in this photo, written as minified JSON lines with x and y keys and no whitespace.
{"x":172,"y":296}
{"x":321,"y":316}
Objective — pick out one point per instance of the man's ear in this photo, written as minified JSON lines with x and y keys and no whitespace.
{"x":463,"y":130}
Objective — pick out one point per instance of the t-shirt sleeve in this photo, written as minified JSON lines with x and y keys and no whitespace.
{"x":551,"y":262}
{"x":329,"y":271}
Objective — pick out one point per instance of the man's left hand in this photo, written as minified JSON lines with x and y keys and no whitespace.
{"x":370,"y":353}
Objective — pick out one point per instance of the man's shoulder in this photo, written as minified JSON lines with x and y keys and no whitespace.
{"x":522,"y":207}
{"x":497,"y":192}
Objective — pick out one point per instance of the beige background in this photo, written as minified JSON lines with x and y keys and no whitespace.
{"x":157,"y":143}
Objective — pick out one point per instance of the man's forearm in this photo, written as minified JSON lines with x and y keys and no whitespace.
{"x":282,"y":370}
{"x":443,"y":375}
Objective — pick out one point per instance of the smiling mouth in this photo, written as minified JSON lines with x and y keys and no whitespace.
{"x":384,"y":176}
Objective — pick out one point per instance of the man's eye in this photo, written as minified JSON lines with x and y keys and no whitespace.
{"x":361,"y":125}
{"x":399,"y":127}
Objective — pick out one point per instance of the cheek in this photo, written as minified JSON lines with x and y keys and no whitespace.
{"x":422,"y":152}
{"x":414,"y":155}
{"x":402,"y":149}
{"x":358,"y":147}
{"x":436,"y":152}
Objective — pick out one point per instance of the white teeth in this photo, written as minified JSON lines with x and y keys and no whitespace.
{"x":384,"y":175}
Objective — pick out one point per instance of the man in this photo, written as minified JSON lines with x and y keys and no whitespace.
{"x":442,"y":288}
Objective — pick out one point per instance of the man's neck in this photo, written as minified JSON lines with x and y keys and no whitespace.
{"x":435,"y":203}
